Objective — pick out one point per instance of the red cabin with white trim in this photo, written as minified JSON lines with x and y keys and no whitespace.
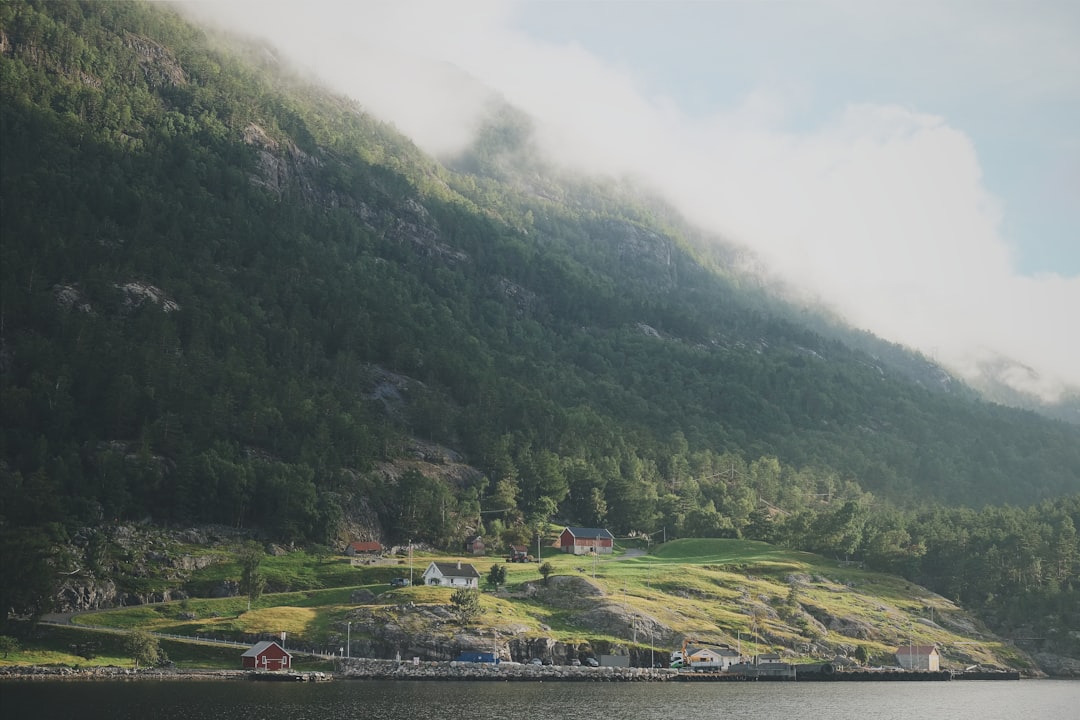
{"x":267,"y":655}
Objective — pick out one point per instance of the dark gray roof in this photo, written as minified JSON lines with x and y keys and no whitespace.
{"x":452,"y":570}
{"x":581,"y":532}
{"x":259,"y":647}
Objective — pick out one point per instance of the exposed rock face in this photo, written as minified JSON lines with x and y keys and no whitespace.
{"x":645,"y":257}
{"x":98,"y":553}
{"x":136,"y":293}
{"x":85,"y":594}
{"x":564,"y":591}
{"x":70,"y":297}
{"x":1057,"y":665}
{"x":612,"y":618}
{"x":282,"y":169}
{"x":431,"y":632}
{"x":158,"y":64}
{"x":843,"y":625}
{"x":82,"y":594}
{"x":525,"y":300}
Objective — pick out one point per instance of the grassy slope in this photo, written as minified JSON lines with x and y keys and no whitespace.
{"x":711,"y":589}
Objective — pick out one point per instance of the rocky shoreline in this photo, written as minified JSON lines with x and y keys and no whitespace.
{"x":356,"y":669}
{"x":369,"y":669}
{"x":111,"y":672}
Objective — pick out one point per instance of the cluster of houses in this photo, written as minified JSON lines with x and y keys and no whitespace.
{"x":918,"y":658}
{"x":575,"y":540}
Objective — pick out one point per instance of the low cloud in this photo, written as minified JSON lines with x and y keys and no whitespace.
{"x":877,"y":210}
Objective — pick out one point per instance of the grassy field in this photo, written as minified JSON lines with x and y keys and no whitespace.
{"x":61,"y":646}
{"x":720,"y":590}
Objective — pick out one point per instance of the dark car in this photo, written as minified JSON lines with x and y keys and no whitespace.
{"x":399,"y":582}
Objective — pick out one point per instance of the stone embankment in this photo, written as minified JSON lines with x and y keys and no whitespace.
{"x":369,"y":669}
{"x":111,"y":672}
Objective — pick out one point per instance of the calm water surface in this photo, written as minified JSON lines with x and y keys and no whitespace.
{"x":373,"y":700}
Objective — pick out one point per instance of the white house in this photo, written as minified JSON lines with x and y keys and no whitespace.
{"x":918,"y":657}
{"x":707,"y":658}
{"x":456,"y":575}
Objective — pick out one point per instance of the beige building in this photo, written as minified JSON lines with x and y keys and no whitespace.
{"x":918,"y":657}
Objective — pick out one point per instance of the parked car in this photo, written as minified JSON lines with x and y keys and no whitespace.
{"x":575,"y":662}
{"x":536,"y":661}
{"x":592,"y":662}
{"x":399,"y":582}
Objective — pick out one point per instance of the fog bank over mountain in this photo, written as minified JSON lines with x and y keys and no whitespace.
{"x":874,"y":208}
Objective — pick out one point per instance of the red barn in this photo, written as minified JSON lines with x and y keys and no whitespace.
{"x":581,"y":541}
{"x":363,"y":548}
{"x":267,"y":655}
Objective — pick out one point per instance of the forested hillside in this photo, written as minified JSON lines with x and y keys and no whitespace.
{"x":229,"y":297}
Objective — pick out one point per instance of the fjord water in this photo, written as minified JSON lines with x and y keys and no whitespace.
{"x":377,"y":700}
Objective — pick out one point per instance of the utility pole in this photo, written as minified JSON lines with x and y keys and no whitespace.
{"x":348,"y":640}
{"x":910,"y":649}
{"x":410,"y":564}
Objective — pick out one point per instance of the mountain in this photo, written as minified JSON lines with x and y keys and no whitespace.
{"x":230,"y":296}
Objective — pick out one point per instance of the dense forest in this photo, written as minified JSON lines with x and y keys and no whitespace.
{"x":228,"y":296}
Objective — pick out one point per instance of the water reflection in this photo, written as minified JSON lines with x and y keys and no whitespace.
{"x":372,"y":700}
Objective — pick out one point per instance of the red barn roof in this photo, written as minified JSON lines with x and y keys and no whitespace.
{"x":365,"y":547}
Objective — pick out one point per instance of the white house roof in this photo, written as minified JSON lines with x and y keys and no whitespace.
{"x":719,"y":652}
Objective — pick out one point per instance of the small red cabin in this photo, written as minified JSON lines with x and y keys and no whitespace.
{"x":267,"y":655}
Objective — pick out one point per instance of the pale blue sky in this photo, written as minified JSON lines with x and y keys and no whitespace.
{"x":998,"y":71}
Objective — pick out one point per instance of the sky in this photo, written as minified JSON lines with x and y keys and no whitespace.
{"x":914,"y":166}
